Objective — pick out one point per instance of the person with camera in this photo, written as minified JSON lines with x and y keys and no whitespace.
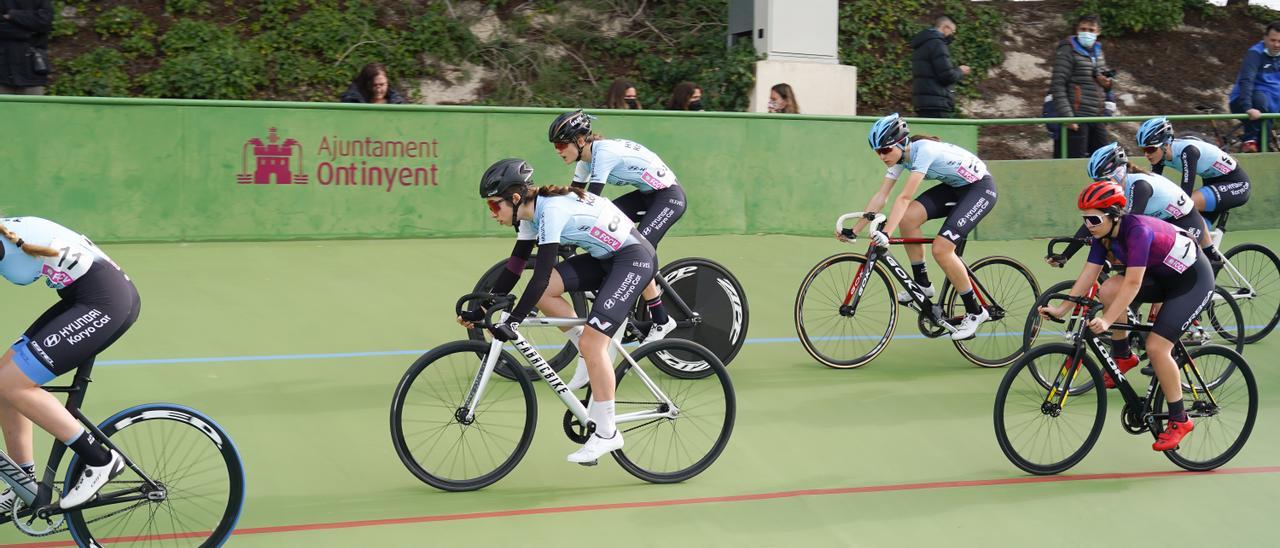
{"x":24,"y":46}
{"x":1080,"y":86}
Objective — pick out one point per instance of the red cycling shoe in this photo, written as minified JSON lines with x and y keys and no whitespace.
{"x":1125,"y":364}
{"x":1173,"y":433}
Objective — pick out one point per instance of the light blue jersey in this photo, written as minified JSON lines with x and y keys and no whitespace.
{"x":1167,"y":202}
{"x":942,"y":162}
{"x":77,"y":253}
{"x":592,"y":223}
{"x":624,"y":163}
{"x":1213,"y":161}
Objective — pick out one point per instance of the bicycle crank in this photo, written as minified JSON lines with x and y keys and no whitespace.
{"x":576,"y":432}
{"x":1133,"y":422}
{"x":31,"y":525}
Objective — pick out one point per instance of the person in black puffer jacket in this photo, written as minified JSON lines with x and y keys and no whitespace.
{"x":372,"y":86}
{"x":1079,"y":86}
{"x":934,"y":75}
{"x":24,"y":46}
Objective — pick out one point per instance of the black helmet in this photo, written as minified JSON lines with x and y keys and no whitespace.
{"x":503,"y":175}
{"x":569,"y":126}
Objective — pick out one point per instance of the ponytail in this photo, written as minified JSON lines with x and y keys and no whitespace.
{"x":1135,"y":168}
{"x":27,"y":247}
{"x":553,"y":190}
{"x":918,"y":137}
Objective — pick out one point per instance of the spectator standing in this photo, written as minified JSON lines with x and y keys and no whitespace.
{"x":1079,"y":86}
{"x":24,"y":46}
{"x":782,"y":99}
{"x":1257,"y":88}
{"x":685,"y":96}
{"x":934,"y":77}
{"x":371,"y":86}
{"x":622,"y":95}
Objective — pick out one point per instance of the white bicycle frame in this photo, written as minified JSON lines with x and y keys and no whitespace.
{"x":9,"y":472}
{"x":1236,"y":277}
{"x":553,"y":379}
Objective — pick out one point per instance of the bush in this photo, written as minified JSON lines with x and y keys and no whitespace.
{"x":123,"y":21}
{"x":187,"y":7}
{"x":98,"y":73}
{"x":224,"y":71}
{"x":1121,"y":17}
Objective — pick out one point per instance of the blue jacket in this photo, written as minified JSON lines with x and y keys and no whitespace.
{"x":1258,"y":73}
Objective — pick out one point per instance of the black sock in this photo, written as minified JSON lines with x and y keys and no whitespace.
{"x":1120,"y":348}
{"x":971,"y":303}
{"x":657,"y":311}
{"x":919,"y":272}
{"x":90,"y":449}
{"x":1176,"y":412}
{"x":1211,"y":253}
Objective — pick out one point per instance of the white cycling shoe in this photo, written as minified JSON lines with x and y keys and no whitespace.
{"x":904,"y":296}
{"x":659,"y":332}
{"x":595,"y":448}
{"x":969,"y":325}
{"x":91,"y":480}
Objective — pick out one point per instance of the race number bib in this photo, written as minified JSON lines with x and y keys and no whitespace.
{"x":1178,"y":209}
{"x":658,"y":176}
{"x":72,"y":262}
{"x":1182,"y":255}
{"x":612,"y":230}
{"x":1225,"y":164}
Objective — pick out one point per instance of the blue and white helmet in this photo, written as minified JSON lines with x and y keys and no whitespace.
{"x":888,"y":131}
{"x":1155,"y":132}
{"x":1108,"y":163}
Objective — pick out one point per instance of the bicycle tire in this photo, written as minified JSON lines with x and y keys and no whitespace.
{"x":1256,"y":289}
{"x":817,"y":308}
{"x":1224,"y":315}
{"x":1030,"y":415}
{"x":711,"y":291}
{"x":457,"y":364}
{"x":191,"y":471}
{"x":1034,"y":326}
{"x":542,"y":339}
{"x":1198,"y":451}
{"x":708,"y":406}
{"x":996,"y":343}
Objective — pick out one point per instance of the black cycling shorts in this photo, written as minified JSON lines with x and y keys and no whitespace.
{"x":963,"y":206}
{"x":1193,"y":223}
{"x":617,"y":281}
{"x":1183,"y":297}
{"x":655,"y":212}
{"x":1225,"y":192}
{"x":91,"y":314}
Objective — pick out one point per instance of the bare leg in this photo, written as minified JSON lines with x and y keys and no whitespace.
{"x":651,"y":291}
{"x":594,"y":347}
{"x":553,"y":304}
{"x":910,"y":228}
{"x":21,"y":395}
{"x":944,"y":253}
{"x":1106,"y":294}
{"x":1160,"y":351}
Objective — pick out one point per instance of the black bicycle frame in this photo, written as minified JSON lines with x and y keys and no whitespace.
{"x":919,"y":301}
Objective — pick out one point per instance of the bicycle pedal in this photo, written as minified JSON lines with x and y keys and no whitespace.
{"x":1147,"y":370}
{"x":591,"y":463}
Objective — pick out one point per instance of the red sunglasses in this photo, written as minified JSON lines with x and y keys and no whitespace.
{"x":885,"y":150}
{"x":562,"y":146}
{"x":494,"y":206}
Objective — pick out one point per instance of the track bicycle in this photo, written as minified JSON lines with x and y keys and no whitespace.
{"x":1251,"y":273}
{"x":845,"y":315}
{"x":183,"y":483}
{"x":458,"y":428}
{"x":1045,"y":423}
{"x":702,"y":296}
{"x":1221,"y":321}
{"x":1228,"y":135}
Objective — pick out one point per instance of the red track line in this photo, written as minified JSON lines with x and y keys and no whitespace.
{"x":701,"y":500}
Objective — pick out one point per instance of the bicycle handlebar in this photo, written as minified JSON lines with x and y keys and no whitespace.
{"x":1060,"y":258}
{"x":1091,"y":306}
{"x":876,"y":219}
{"x":489,"y":303}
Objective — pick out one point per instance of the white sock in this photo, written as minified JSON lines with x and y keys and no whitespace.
{"x":602,"y":413}
{"x":574,"y":335}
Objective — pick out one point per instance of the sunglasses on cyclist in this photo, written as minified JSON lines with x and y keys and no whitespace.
{"x":885,"y":150}
{"x":495,"y":206}
{"x":1092,"y":220}
{"x":1150,"y":150}
{"x":562,"y":146}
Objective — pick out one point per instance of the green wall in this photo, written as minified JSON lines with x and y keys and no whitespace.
{"x":165,"y":170}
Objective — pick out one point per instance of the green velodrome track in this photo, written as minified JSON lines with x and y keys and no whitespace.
{"x":295,"y":349}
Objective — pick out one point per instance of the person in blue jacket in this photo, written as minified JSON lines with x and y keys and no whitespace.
{"x":1257,"y":88}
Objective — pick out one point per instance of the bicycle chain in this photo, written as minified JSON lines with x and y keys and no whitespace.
{"x":64,"y":527}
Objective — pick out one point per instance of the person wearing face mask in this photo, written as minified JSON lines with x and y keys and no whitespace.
{"x":934,"y":77}
{"x":622,"y":95}
{"x":1079,"y":86}
{"x":1257,"y":88}
{"x":685,"y":96}
{"x":782,"y":99}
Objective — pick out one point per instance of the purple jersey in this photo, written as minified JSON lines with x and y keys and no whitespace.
{"x":1147,"y":241}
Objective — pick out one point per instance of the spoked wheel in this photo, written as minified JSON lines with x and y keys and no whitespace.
{"x":1220,"y":322}
{"x":837,"y":335}
{"x":672,"y":445}
{"x":1223,"y":414}
{"x":711,"y":292}
{"x":1010,"y":292}
{"x":431,"y":430}
{"x":1039,"y":331}
{"x":1252,"y":276}
{"x":196,"y":465}
{"x":1040,"y":431}
{"x":545,"y":340}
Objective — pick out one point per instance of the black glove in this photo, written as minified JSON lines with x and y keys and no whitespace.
{"x":505,"y":332}
{"x":473,"y":315}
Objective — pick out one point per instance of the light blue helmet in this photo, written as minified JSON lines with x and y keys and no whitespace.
{"x":1155,"y":132}
{"x":1108,"y":163}
{"x":888,"y":131}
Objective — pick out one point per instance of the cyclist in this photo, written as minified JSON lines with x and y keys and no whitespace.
{"x":1162,"y":265}
{"x":617,"y":264}
{"x":97,"y":304}
{"x":966,"y":195}
{"x":655,"y":205}
{"x":1146,"y":194}
{"x":1226,"y":185}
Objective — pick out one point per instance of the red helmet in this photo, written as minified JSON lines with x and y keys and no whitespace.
{"x":1104,"y":195}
